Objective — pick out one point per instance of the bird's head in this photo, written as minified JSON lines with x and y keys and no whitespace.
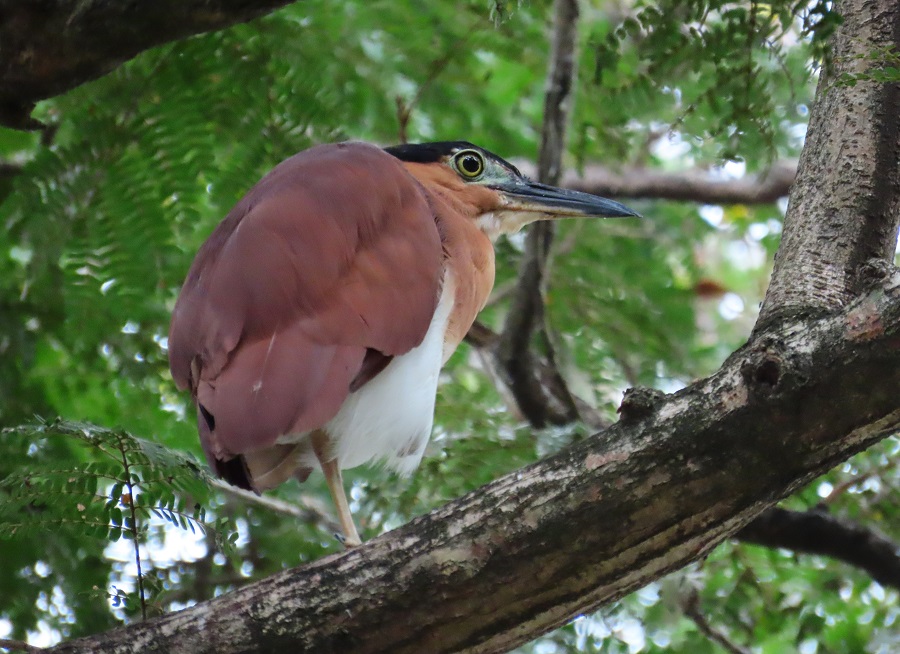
{"x":493,"y":191}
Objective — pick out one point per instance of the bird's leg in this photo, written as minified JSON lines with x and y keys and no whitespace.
{"x":336,"y":486}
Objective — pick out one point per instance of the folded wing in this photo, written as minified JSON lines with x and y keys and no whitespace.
{"x":326,"y":269}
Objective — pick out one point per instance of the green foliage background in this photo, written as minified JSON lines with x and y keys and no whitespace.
{"x":112,"y":203}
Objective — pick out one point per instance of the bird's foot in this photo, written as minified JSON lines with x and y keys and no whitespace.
{"x":348,"y":542}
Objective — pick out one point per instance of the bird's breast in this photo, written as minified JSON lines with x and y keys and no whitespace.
{"x":470,"y":262}
{"x":390,"y":417}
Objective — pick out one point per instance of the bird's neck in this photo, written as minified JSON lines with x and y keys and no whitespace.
{"x":468,"y":251}
{"x":468,"y":266}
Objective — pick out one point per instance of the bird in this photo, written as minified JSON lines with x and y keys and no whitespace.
{"x":315,"y":319}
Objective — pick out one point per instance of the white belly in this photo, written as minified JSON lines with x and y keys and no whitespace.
{"x":390,"y":418}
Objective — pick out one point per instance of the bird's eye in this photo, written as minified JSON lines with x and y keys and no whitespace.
{"x":469,"y":163}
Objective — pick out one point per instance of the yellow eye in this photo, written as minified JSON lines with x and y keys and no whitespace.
{"x":469,"y":163}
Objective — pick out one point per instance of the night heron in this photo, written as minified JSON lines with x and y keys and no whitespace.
{"x":314,"y":321}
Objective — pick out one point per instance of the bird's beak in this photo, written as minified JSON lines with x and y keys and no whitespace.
{"x":533,"y":198}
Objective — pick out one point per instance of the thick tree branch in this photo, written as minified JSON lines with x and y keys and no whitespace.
{"x":817,"y":532}
{"x":845,"y":205}
{"x":19,"y":646}
{"x":47,"y":48}
{"x":561,"y":537}
{"x":689,"y":186}
{"x":543,"y":398}
{"x":803,"y":532}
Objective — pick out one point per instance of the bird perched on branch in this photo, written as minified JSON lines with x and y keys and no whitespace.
{"x":314,"y":321}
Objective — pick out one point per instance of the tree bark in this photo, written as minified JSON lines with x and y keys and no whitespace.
{"x":845,"y":204}
{"x":48,"y":47}
{"x":528,"y":552}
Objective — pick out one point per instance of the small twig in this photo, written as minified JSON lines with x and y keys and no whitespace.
{"x":847,"y":484}
{"x":483,"y":338}
{"x":19,"y":646}
{"x":628,"y":370}
{"x":691,"y":607}
{"x":135,"y":532}
{"x":404,"y":109}
{"x":313,"y":513}
{"x":488,"y":365}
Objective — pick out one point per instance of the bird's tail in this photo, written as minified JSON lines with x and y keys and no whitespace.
{"x":274,"y":465}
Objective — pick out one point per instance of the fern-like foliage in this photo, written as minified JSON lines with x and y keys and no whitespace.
{"x":732,"y":64}
{"x":110,"y":491}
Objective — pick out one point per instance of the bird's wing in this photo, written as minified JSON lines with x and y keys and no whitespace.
{"x":328,"y":267}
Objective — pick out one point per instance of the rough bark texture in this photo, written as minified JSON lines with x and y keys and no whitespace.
{"x":845,"y":204}
{"x":50,"y":46}
{"x":531,"y":550}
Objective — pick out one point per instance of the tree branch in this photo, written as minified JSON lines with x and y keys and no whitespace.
{"x":804,"y":532}
{"x":313,"y":513}
{"x":691,"y":606}
{"x":529,"y":551}
{"x":817,"y":532}
{"x":855,"y":481}
{"x":48,"y":48}
{"x":19,"y":646}
{"x":543,"y":398}
{"x":689,"y":186}
{"x":853,"y":150}
{"x":484,"y":338}
{"x":9,"y":169}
